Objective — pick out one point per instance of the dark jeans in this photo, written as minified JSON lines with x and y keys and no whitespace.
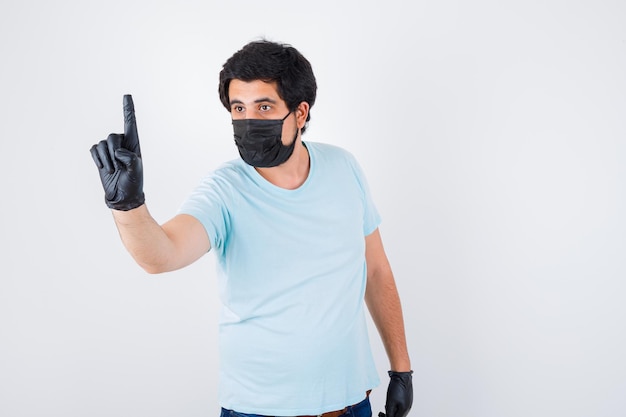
{"x":362,"y":409}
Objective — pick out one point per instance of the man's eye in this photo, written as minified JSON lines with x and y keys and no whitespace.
{"x":238,"y":109}
{"x":265,"y":107}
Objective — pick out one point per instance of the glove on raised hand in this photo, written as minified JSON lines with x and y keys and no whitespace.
{"x":118,"y":159}
{"x":399,"y":394}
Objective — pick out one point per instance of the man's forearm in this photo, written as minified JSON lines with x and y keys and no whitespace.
{"x":384,"y":305}
{"x":144,"y":238}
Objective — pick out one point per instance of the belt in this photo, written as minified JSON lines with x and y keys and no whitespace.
{"x":337,"y":413}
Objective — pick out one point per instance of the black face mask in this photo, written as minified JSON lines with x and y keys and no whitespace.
{"x":259,"y":141}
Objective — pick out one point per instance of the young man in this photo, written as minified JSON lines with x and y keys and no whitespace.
{"x":296,"y":237}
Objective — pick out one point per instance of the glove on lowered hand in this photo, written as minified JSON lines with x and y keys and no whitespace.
{"x":118,"y":159}
{"x":399,"y":394}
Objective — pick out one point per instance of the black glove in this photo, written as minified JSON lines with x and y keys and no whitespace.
{"x":118,"y":159}
{"x":399,"y":394}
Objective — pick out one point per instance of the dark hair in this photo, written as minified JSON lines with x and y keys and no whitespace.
{"x":272,"y":62}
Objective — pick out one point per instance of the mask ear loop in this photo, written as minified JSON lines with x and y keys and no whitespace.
{"x":297,"y":128}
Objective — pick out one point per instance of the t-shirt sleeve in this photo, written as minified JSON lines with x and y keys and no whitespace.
{"x":371,"y":216}
{"x":208,"y":203}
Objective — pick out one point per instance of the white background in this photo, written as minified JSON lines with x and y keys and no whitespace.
{"x":494,"y":137}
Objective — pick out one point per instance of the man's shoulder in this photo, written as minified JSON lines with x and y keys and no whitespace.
{"x":229,"y":169}
{"x":329,"y":150}
{"x":228,"y":175}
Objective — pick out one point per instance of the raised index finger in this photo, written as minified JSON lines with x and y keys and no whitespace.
{"x":131,"y":138}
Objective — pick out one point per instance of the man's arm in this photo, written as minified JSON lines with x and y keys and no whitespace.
{"x":383,"y":302}
{"x":176,"y":244}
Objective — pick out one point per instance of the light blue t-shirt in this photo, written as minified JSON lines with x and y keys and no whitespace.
{"x":292,"y":274}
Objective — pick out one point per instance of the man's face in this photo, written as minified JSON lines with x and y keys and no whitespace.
{"x":259,"y":100}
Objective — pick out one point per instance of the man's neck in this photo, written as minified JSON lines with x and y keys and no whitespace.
{"x":291,"y":174}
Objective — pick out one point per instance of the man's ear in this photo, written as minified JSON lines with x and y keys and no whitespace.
{"x":302,"y":111}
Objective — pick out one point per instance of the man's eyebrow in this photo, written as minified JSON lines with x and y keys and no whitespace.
{"x":259,"y":100}
{"x":265,"y":99}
